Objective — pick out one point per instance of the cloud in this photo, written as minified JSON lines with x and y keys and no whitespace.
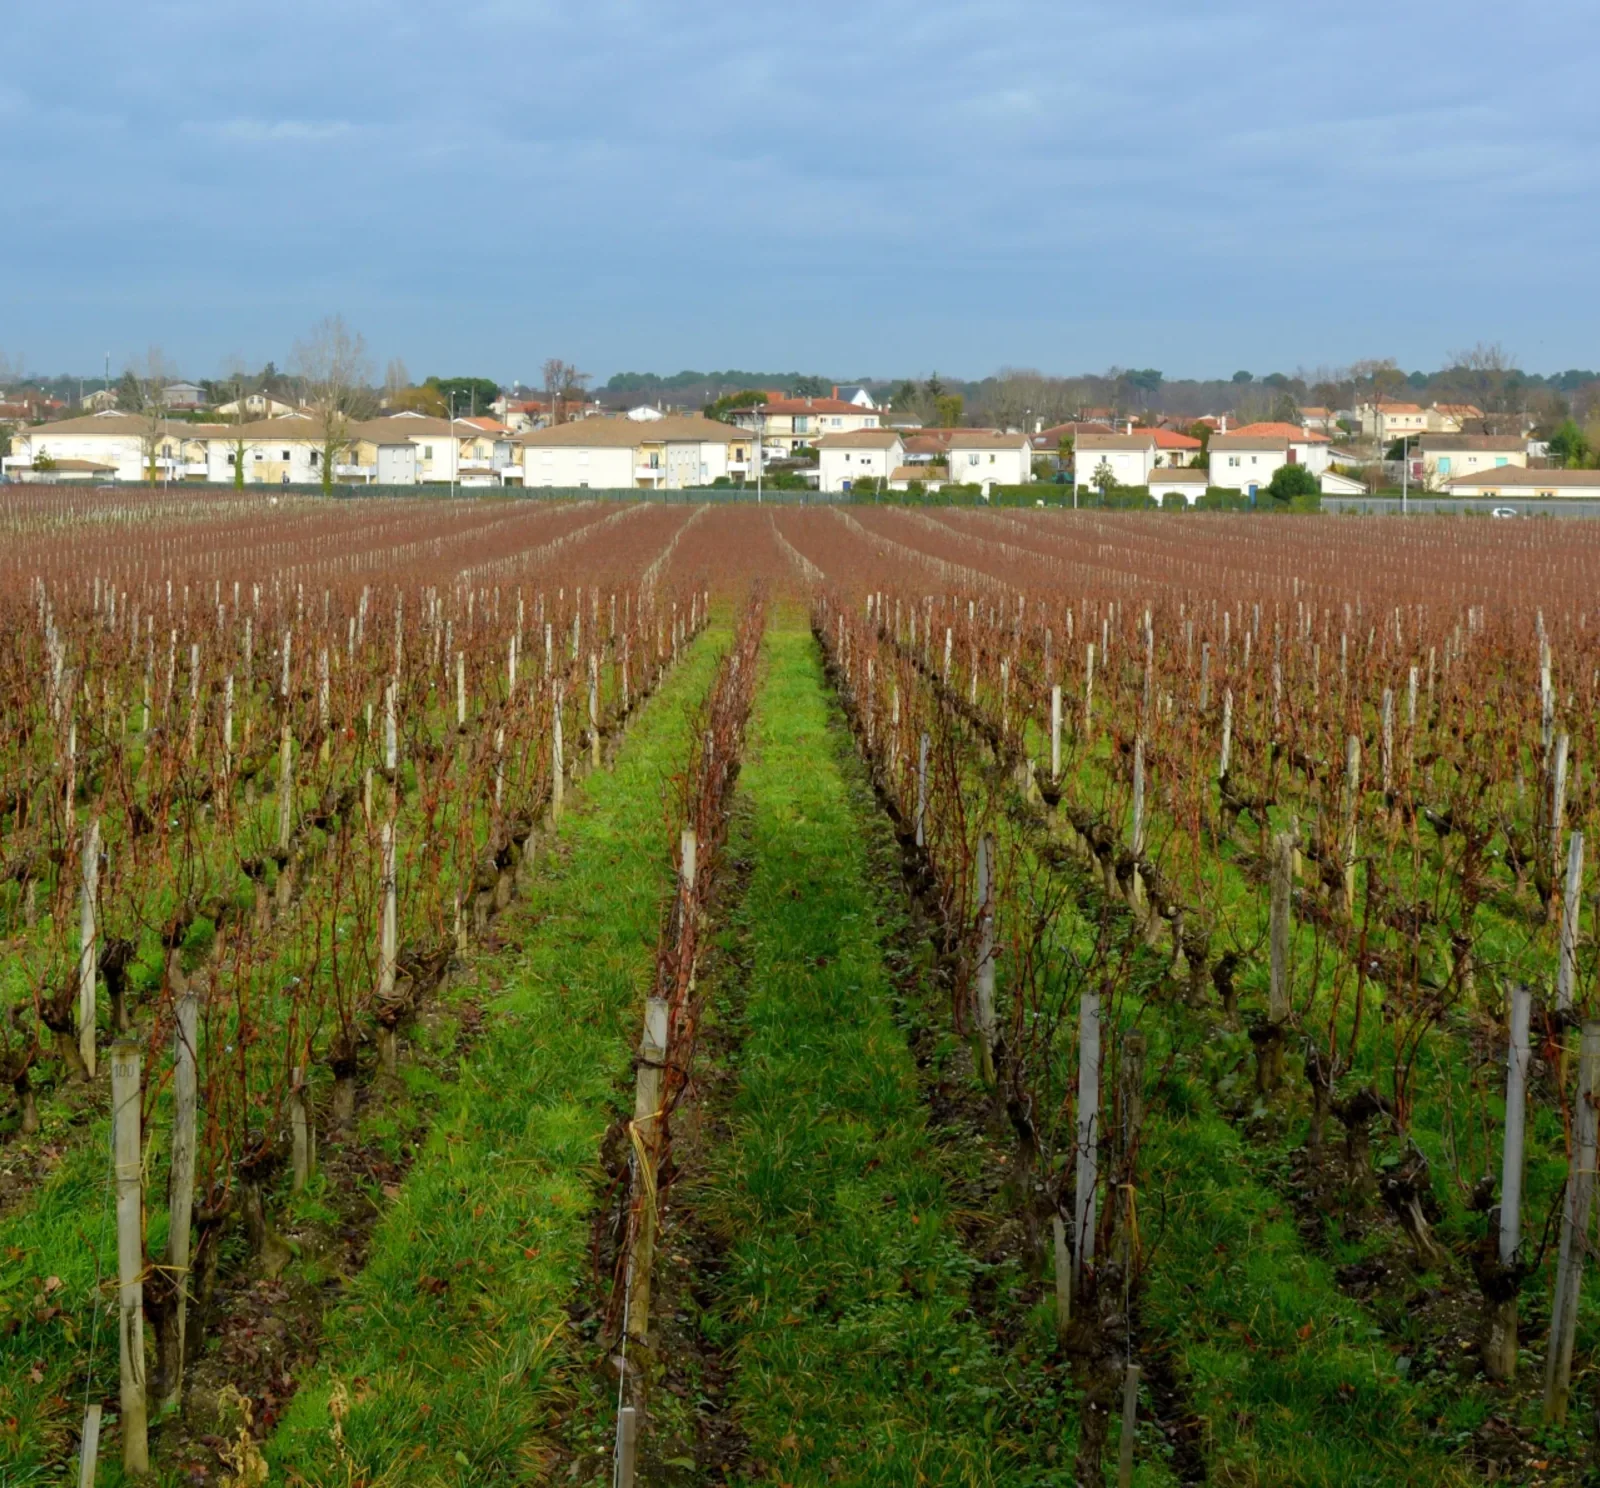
{"x":274,"y":131}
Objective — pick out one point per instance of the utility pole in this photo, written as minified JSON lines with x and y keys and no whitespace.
{"x":758,"y":452}
{"x":452,"y":446}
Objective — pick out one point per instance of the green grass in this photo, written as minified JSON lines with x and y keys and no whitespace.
{"x":846,"y":1298}
{"x":448,"y":1361}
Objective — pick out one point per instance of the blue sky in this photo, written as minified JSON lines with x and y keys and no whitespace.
{"x":865,"y":189}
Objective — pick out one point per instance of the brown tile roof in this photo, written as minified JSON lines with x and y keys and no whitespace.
{"x":1171,"y":439}
{"x":1140,"y":439}
{"x":1519,"y":475}
{"x":1178,"y":475}
{"x":1447,"y":443}
{"x":919,"y":472}
{"x":860,"y":439}
{"x":626,"y":433}
{"x":986,"y":439}
{"x":815,"y":405}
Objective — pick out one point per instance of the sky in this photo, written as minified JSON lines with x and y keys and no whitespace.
{"x":882,"y":188}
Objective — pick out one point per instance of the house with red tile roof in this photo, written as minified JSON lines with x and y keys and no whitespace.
{"x":789,"y":424}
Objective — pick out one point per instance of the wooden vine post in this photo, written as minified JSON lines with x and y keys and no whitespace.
{"x":985,"y":957}
{"x":1500,"y":1332}
{"x":647,"y":1147}
{"x":922,"y":790}
{"x":1136,"y":899}
{"x":1088,"y":1136}
{"x":1270,"y":1066}
{"x":1055,"y":732}
{"x":594,"y":711}
{"x":1567,"y":970}
{"x":1574,"y":1232}
{"x":126,"y":1059}
{"x":1347,"y":837}
{"x":89,"y":946}
{"x":558,"y":767}
{"x":180,"y":1177}
{"x":388,"y":950}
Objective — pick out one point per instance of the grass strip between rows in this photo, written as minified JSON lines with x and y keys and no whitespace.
{"x":847,"y":1287}
{"x":445,"y":1364}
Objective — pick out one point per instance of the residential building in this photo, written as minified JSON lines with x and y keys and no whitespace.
{"x":183,"y":396}
{"x":1446,"y":457}
{"x":1319,"y":420}
{"x":1188,"y":481}
{"x":256,"y":406}
{"x":930,"y":477}
{"x":1384,"y":420}
{"x":788,"y":424}
{"x":1517,"y":481}
{"x":856,"y":394}
{"x":856,"y":455}
{"x":1247,"y":459}
{"x":670,"y":453}
{"x":116,"y":443}
{"x":645,"y":413}
{"x":1454,"y":418}
{"x":990,"y":457}
{"x":1127,"y":459}
{"x":103,"y":400}
{"x":1130,"y":457}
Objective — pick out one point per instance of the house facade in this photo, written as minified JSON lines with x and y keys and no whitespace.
{"x":1517,"y":482}
{"x":788,"y":424}
{"x":1127,"y":458}
{"x":990,"y":457}
{"x":1247,"y":459}
{"x":670,"y":453}
{"x":1441,"y":458}
{"x":844,"y":459}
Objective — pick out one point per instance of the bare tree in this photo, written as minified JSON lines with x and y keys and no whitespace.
{"x":238,"y":379}
{"x":334,"y":374}
{"x":1483,"y":375}
{"x":396,"y":379}
{"x":144,"y":394}
{"x":563,"y":383}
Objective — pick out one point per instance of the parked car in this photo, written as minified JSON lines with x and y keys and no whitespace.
{"x":1504,"y":511}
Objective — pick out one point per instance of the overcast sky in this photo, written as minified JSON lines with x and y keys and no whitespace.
{"x":873,"y":188}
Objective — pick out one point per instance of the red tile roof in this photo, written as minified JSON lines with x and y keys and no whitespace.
{"x":813,"y":405}
{"x":1171,"y":439}
{"x":1292,"y":432}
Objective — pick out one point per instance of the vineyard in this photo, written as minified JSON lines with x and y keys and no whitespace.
{"x":505,"y":991}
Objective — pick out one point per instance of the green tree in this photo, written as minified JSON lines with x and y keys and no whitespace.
{"x":948,"y":408}
{"x":1293,"y":488}
{"x":472,"y":395}
{"x":1570,"y":445}
{"x":723,"y":406}
{"x":1104,"y":478}
{"x":1285,"y":410}
{"x":1243,"y":377}
{"x":809,"y":387}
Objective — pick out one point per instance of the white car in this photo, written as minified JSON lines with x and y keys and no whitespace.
{"x":1504,"y":511}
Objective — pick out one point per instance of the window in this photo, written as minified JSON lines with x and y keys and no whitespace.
{"x":972,"y":459}
{"x":871,"y":423}
{"x":231,"y":459}
{"x":802,"y":423}
{"x":1500,"y":460}
{"x":286,"y":454}
{"x":427,"y":452}
{"x":1254,"y":461}
{"x":1444,"y":464}
{"x":838,"y":423}
{"x":655,"y":460}
{"x":314,"y":458}
{"x":991,"y":459}
{"x":1233,"y":462}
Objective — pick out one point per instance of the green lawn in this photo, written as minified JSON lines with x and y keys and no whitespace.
{"x":450,"y":1360}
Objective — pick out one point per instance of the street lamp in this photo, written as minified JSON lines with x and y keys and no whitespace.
{"x":452,"y":446}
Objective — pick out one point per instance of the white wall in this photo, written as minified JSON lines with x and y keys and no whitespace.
{"x":1238,"y":470}
{"x":570,"y":465}
{"x":1449,"y":465}
{"x":121,"y":450}
{"x":1128,"y":467}
{"x":836,"y":467}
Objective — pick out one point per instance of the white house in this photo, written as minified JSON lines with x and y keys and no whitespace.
{"x":860,"y":454}
{"x":114,"y":442}
{"x":1517,"y":481}
{"x":929,"y":477}
{"x":1181,"y":480}
{"x":1129,"y":458}
{"x":257,"y":406}
{"x":1384,"y":420}
{"x":1447,"y":457}
{"x":1246,"y":459}
{"x":856,"y":394}
{"x":669,"y":453}
{"x":788,"y":424}
{"x":988,"y":457}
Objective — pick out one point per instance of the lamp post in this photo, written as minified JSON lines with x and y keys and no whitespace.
{"x":1405,"y":472}
{"x":452,"y":446}
{"x":759,"y":437}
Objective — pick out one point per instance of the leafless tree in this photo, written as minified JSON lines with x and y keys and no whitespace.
{"x":563,"y":385}
{"x":144,"y":392}
{"x":1482,"y":374}
{"x":396,"y":379}
{"x":335,"y":374}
